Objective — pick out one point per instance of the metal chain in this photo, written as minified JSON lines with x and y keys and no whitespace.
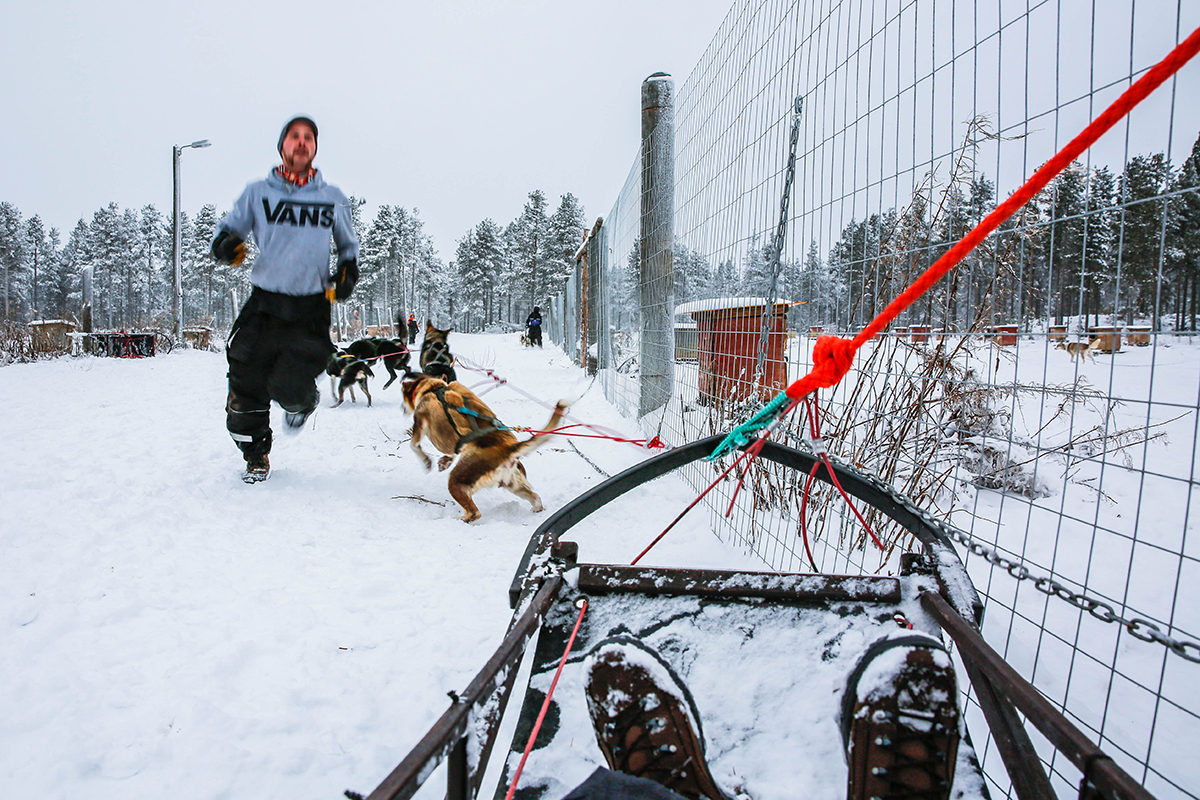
{"x":778,"y":240}
{"x":1139,"y":628}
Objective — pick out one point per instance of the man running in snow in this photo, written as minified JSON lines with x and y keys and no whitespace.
{"x":280,"y":343}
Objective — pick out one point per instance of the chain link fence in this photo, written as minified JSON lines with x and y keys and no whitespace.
{"x":1044,"y":398}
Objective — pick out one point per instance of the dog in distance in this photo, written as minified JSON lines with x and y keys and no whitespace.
{"x":1080,"y":349}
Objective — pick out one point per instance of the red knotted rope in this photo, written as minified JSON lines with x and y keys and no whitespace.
{"x":833,"y":356}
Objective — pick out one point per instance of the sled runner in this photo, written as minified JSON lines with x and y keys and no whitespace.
{"x":766,"y":656}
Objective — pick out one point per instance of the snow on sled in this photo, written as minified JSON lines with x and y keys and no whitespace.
{"x":765,"y":655}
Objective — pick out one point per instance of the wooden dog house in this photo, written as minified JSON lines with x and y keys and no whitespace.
{"x":1004,"y":335}
{"x":727,"y":348}
{"x":1140,"y":336}
{"x":52,"y":333}
{"x":1109,"y":336}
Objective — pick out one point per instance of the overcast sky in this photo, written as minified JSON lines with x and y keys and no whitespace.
{"x":457,"y":107}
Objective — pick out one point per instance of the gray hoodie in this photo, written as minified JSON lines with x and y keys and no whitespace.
{"x":292,"y":227}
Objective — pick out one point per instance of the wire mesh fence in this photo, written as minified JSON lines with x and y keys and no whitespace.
{"x":1044,"y":397}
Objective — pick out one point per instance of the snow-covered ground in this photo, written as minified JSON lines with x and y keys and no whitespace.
{"x":170,"y":631}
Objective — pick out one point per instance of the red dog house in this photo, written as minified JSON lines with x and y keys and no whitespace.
{"x":729,"y":333}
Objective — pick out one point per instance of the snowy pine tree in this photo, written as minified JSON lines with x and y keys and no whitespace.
{"x":566,"y":235}
{"x":1142,"y":221}
{"x":38,"y":254}
{"x":12,"y":253}
{"x":1183,"y":240}
{"x":531,"y":245}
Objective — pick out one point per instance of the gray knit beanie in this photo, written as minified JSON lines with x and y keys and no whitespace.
{"x":283,"y":133}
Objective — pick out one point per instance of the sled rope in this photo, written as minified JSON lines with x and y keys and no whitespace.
{"x":654,"y":443}
{"x":496,"y":425}
{"x":833,"y":355}
{"x":814,"y":424}
{"x":537,"y":726}
{"x":695,"y":502}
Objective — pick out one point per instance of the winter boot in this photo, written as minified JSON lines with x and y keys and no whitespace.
{"x":258,"y":468}
{"x":293,"y":421}
{"x":645,"y":720}
{"x":900,"y":720}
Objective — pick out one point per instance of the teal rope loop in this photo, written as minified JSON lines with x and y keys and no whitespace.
{"x":743,"y":434}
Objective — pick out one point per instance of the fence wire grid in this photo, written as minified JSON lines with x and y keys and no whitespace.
{"x":1044,"y":397}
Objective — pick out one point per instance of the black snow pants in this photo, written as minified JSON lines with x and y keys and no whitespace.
{"x":277,"y":348}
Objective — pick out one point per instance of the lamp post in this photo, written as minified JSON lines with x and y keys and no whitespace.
{"x":175,"y":151}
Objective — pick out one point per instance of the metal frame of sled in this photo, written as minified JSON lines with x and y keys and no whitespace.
{"x":1003,"y":695}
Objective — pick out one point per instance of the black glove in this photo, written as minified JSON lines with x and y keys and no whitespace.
{"x":345,"y":278}
{"x":229,"y":249}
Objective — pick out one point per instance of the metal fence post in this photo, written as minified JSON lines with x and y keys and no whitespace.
{"x":657,"y":346}
{"x":598,"y":325}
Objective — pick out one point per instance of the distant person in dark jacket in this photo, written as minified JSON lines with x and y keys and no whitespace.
{"x":412,"y":328}
{"x":533,"y":327}
{"x":280,"y":341}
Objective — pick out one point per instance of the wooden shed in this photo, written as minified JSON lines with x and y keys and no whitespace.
{"x":52,"y":334}
{"x":727,"y":349}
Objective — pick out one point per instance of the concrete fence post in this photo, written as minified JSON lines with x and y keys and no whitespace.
{"x":657,"y":348}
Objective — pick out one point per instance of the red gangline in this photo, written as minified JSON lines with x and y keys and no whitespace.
{"x":815,"y":430}
{"x":652,"y":444}
{"x":691,"y":505}
{"x":603,"y":432}
{"x":537,"y":726}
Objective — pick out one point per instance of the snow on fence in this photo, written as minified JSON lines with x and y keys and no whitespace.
{"x":1070,"y":468}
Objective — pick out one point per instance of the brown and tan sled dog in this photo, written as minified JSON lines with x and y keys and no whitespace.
{"x":459,"y":423}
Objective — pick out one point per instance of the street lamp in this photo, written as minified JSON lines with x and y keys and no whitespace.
{"x":175,"y":151}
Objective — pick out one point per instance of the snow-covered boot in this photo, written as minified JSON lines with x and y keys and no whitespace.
{"x":645,"y":720}
{"x":258,"y":468}
{"x":900,"y":720}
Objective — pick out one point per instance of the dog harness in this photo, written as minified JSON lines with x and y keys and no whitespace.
{"x":473,"y":419}
{"x":439,"y":353}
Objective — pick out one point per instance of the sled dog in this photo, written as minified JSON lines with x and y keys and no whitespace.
{"x":351,"y":370}
{"x":1080,"y":349}
{"x":392,"y":352}
{"x":459,"y":424}
{"x":436,"y":358}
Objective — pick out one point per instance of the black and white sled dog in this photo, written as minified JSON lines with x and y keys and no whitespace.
{"x":436,"y":359}
{"x":351,"y":370}
{"x":392,"y":352}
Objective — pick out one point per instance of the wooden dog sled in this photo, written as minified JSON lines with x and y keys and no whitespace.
{"x":764,"y":653}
